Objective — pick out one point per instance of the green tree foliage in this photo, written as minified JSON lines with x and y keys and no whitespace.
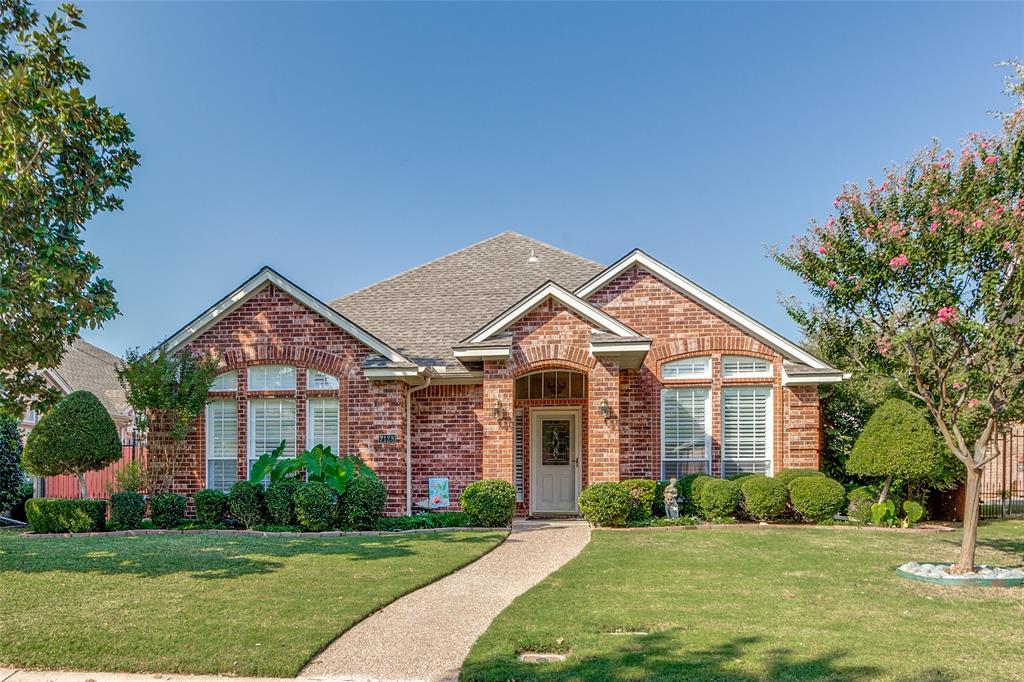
{"x":63,"y":158}
{"x":74,"y":437}
{"x":919,"y":278}
{"x":11,"y":475}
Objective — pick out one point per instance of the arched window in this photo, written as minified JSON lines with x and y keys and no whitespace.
{"x":272,"y":378}
{"x":228,"y":381}
{"x":687,"y":368}
{"x":745,"y":366}
{"x":550,"y":385}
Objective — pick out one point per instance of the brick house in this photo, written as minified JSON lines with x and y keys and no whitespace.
{"x":508,"y":359}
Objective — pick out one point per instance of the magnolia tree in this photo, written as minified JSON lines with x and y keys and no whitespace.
{"x":919,"y":278}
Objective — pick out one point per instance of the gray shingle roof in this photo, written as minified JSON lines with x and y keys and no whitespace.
{"x":88,"y":368}
{"x":425,"y":311}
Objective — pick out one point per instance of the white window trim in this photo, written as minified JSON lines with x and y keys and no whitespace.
{"x":705,"y":374}
{"x":768,"y":374}
{"x":707,"y":427}
{"x":250,"y":436}
{"x":769,"y":434}
{"x":309,"y":424}
{"x":209,"y":441}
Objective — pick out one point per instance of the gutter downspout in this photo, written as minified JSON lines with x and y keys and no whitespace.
{"x":408,"y":443}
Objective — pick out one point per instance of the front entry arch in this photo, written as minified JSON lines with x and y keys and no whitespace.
{"x":555,"y":460}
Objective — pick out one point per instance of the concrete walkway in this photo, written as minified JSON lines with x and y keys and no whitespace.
{"x":426,"y":635}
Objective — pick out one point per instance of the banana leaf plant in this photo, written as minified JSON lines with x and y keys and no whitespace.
{"x":319,"y":463}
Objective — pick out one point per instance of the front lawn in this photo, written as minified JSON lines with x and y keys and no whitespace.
{"x":205,"y":604}
{"x":754,"y":604}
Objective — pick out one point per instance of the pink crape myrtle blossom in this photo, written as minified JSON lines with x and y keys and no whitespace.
{"x":832,"y":284}
{"x":990,"y":160}
{"x":900,"y":261}
{"x":948,"y":315}
{"x":972,"y":403}
{"x":934,"y":227}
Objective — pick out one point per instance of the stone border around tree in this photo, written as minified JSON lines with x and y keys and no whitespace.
{"x":257,"y":533}
{"x":774,"y":526}
{"x":935,"y":573}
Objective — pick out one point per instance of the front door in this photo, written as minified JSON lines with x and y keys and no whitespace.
{"x":554,"y":461}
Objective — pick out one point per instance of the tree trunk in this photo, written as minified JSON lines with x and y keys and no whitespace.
{"x":82,"y":490}
{"x":885,"y":490}
{"x":972,"y":511}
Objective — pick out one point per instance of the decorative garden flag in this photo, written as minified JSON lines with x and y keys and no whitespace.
{"x":438,"y":489}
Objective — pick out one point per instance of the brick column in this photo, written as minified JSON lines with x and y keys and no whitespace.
{"x":603,"y":433}
{"x":498,"y":434}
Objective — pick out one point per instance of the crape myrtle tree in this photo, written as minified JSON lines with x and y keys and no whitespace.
{"x":919,"y":278}
{"x":63,"y":158}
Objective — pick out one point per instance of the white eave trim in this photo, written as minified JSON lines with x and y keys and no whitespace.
{"x":563,"y":296}
{"x":54,"y":376}
{"x":261,"y":279}
{"x":616,"y":348}
{"x":810,"y":379}
{"x":483,"y":353}
{"x":705,"y":297}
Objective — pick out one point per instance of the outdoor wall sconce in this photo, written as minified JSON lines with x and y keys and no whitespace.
{"x":605,"y":410}
{"x":497,"y":409}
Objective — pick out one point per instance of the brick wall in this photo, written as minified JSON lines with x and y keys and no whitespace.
{"x":447,"y":438}
{"x":273,"y":328}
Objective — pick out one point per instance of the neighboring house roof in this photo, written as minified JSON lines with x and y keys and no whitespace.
{"x":86,"y":367}
{"x":426,"y":311}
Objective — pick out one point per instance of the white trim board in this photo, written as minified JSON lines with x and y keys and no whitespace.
{"x":705,"y":297}
{"x":256,"y":283}
{"x":592,"y":314}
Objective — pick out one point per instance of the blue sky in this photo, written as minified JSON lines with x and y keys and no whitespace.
{"x":342,"y":143}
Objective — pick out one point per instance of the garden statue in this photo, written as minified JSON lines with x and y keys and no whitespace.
{"x":671,"y":496}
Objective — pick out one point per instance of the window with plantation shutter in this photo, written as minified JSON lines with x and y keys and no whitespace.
{"x":221,"y":444}
{"x":685,"y":431}
{"x":518,"y":468}
{"x":745,"y":366}
{"x":746,"y":430}
{"x":322,"y":423}
{"x":687,"y":368}
{"x":270,"y":422}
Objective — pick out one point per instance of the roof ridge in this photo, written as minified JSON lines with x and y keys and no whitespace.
{"x":95,"y":351}
{"x":455,"y":253}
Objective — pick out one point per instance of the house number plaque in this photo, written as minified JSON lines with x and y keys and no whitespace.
{"x":387,"y":438}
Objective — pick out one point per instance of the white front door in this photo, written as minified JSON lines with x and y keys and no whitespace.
{"x":554,"y":460}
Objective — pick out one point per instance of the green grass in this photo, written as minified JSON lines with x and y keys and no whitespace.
{"x":205,"y":604}
{"x":772,"y":604}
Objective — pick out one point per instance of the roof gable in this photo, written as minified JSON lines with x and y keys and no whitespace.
{"x":265,"y":277}
{"x":688,"y":288}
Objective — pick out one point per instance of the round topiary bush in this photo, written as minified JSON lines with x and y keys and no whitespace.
{"x":246,"y":504}
{"x":641,"y":494}
{"x":167,"y":510}
{"x":817,"y":498}
{"x":76,"y":436}
{"x":859,"y":504}
{"x":127,"y":510}
{"x":717,"y":498}
{"x":764,"y":498}
{"x":490,"y":503}
{"x":787,"y":476}
{"x":211,"y":506}
{"x":689,"y":488}
{"x":280,"y":501}
{"x":606,"y":504}
{"x":362,"y":505}
{"x":315,"y":505}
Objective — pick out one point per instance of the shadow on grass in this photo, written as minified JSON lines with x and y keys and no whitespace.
{"x":660,"y":657}
{"x":202,"y":556}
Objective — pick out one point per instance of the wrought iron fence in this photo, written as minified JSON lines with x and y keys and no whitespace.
{"x":1002,"y":484}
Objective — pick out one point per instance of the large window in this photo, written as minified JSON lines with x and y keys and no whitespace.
{"x":221,"y":444}
{"x":272,"y":378}
{"x":746,"y":430}
{"x":270,"y":422}
{"x":322,"y":423}
{"x":550,"y":385}
{"x":687,"y":368}
{"x":685,"y":431}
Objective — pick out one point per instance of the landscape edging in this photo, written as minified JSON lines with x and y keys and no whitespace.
{"x":770,"y":526}
{"x":256,"y":533}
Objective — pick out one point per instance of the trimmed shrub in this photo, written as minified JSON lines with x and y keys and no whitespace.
{"x":167,"y":510}
{"x":898,"y":442}
{"x":315,"y":505}
{"x":787,"y":476}
{"x":764,"y":498}
{"x":11,"y":475}
{"x":76,"y":436}
{"x":245,"y":502}
{"x":859,"y":508}
{"x":362,"y":505}
{"x":490,"y":503}
{"x":54,"y":515}
{"x":211,"y":506}
{"x":741,"y":475}
{"x":127,"y":510}
{"x":424,"y":520}
{"x":606,"y":504}
{"x":717,"y":498}
{"x":817,"y":498}
{"x":688,"y":492}
{"x":641,"y":494}
{"x":280,"y":501}
{"x":16,"y":502}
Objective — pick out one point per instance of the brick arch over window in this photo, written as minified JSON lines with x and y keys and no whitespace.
{"x":551,"y":356}
{"x":708,"y":345}
{"x":305,"y":357}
